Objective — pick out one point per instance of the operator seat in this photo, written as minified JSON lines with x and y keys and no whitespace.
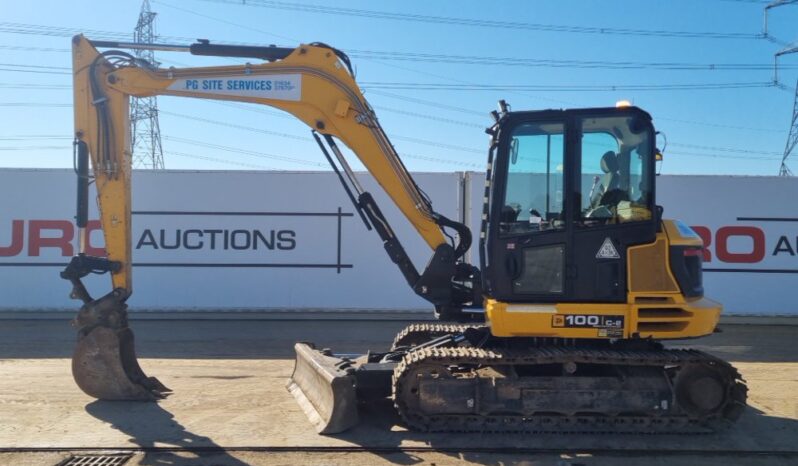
{"x":609,"y":165}
{"x":611,"y":181}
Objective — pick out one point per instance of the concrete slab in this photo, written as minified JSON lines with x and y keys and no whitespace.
{"x":243,"y":403}
{"x":229,"y":392}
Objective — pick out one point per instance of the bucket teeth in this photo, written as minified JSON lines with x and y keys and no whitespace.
{"x":104,"y":366}
{"x":324,"y":387}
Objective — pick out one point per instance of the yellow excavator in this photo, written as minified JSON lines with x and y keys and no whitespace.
{"x":580,"y":278}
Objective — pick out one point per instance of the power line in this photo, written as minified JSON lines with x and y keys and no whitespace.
{"x":171,"y":153}
{"x":436,"y":144}
{"x":262,"y":155}
{"x":379,"y":85}
{"x":562,"y":88}
{"x":429,"y":103}
{"x":283,"y":135}
{"x":415,"y":140}
{"x":22,"y":65}
{"x":721,"y":156}
{"x":397,"y":137}
{"x":34,"y":71}
{"x":33,"y":104}
{"x":420,"y":141}
{"x":213,"y":18}
{"x":430,"y":117}
{"x":724,"y":149}
{"x":447,"y":146}
{"x":754,"y":2}
{"x":58,"y":31}
{"x":502,"y":61}
{"x":555,"y":63}
{"x":439,"y":57}
{"x":95,"y":34}
{"x":236,"y":126}
{"x":433,"y":104}
{"x":38,"y":87}
{"x":214,"y":159}
{"x":516,"y":25}
{"x":306,"y":139}
{"x":720,"y":125}
{"x":473,"y":59}
{"x":437,"y":105}
{"x":32,"y":136}
{"x":28,"y":48}
{"x":7,"y":148}
{"x":442,"y":161}
{"x":480,"y":113}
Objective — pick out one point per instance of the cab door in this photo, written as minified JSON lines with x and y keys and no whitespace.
{"x":528,"y":235}
{"x":613,"y":199}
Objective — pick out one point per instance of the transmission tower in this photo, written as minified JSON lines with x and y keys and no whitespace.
{"x":145,"y":132}
{"x":792,"y":139}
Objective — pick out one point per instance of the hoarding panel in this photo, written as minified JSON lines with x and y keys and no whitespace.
{"x":211,"y":240}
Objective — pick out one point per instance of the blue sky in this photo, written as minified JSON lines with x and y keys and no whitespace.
{"x":710,"y":131}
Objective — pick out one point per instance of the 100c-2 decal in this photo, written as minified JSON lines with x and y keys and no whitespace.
{"x":587,"y":321}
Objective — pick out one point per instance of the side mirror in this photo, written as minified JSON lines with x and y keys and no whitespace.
{"x":658,"y":154}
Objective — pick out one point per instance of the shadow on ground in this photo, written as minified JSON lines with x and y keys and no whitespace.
{"x":150,"y":426}
{"x":754,"y":435}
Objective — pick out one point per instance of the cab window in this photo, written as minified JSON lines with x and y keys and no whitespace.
{"x":533,"y":199}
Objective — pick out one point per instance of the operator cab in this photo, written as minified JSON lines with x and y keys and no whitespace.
{"x":571,"y":190}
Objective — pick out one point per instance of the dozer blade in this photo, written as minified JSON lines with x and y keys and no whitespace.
{"x":324,"y":387}
{"x":104,"y":366}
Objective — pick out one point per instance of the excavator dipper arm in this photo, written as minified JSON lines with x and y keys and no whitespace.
{"x":312,"y":82}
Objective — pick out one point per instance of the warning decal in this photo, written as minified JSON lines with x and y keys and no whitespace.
{"x":607,"y":250}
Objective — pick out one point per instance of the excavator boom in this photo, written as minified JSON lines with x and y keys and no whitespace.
{"x":314,"y":83}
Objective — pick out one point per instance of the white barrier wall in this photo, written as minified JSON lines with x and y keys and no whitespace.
{"x":233,"y":240}
{"x":211,"y":240}
{"x":750,"y":229}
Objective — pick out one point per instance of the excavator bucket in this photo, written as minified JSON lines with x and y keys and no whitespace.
{"x":105,"y":367}
{"x":324,"y":387}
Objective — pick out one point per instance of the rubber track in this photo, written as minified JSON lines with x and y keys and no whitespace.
{"x":453,"y":356}
{"x":414,"y":334}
